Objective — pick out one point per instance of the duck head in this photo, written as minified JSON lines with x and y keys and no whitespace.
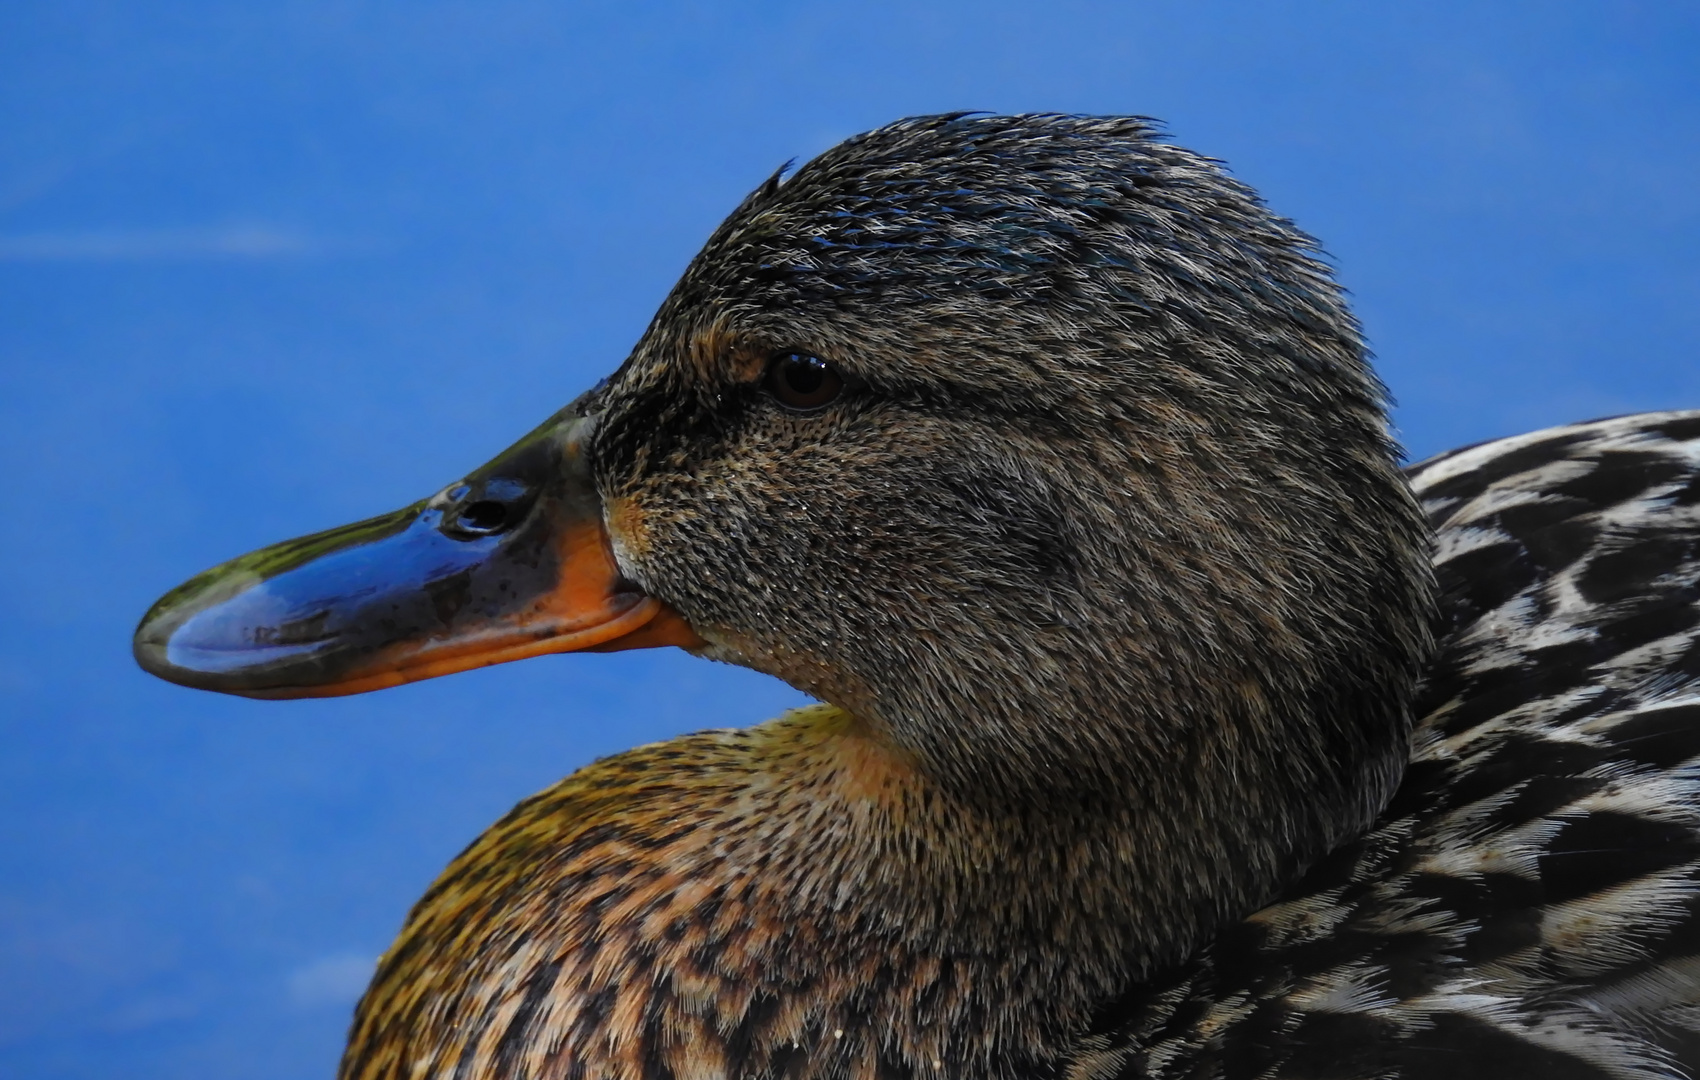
{"x":1036,"y":444}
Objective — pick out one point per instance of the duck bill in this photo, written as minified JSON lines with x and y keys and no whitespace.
{"x":512,"y":562}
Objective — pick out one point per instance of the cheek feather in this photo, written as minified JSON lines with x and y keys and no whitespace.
{"x":628,"y":530}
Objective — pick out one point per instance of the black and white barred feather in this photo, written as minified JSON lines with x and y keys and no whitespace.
{"x":1529,"y":905}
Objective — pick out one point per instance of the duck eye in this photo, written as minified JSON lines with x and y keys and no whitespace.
{"x":803,"y":382}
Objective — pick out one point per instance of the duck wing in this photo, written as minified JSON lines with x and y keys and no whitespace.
{"x":1529,"y":905}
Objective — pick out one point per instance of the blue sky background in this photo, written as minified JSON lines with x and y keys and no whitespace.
{"x":265,"y":268}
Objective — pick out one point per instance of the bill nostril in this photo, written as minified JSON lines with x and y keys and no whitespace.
{"x":482,"y":517}
{"x":486,"y":507}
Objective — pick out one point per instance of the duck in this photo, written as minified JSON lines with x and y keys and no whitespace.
{"x":1166,"y":726}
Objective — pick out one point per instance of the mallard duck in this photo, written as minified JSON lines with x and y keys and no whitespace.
{"x":1167,"y":728}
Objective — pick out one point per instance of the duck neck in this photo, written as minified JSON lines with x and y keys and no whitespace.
{"x":805,"y":898}
{"x":950,"y":931}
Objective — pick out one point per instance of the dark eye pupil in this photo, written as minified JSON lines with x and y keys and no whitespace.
{"x":805,"y":374}
{"x":803,"y":382}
